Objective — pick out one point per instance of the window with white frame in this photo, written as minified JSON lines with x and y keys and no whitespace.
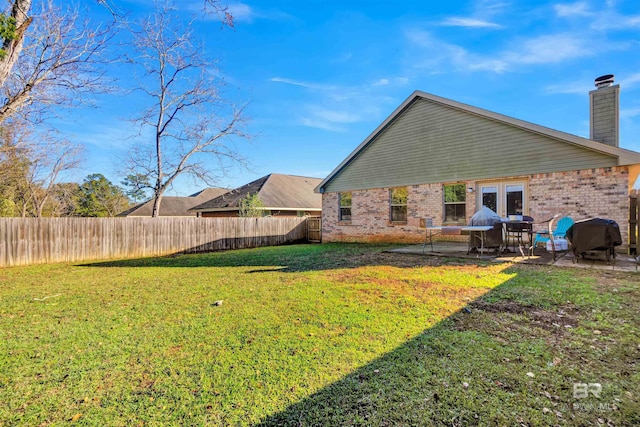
{"x":398,"y":204}
{"x":455,"y":202}
{"x":345,"y":206}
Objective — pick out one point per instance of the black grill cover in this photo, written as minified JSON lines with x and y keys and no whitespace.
{"x":594,"y":234}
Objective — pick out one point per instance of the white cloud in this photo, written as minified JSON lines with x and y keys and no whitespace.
{"x":381,"y":82}
{"x":572,"y":9}
{"x":327,"y":119}
{"x":573,"y":88}
{"x":335,"y":107}
{"x":550,"y":49}
{"x":631,"y":80}
{"x":438,"y":54}
{"x":629,"y":113}
{"x":242,"y":12}
{"x":491,"y":7}
{"x":468,"y":22}
{"x":333,"y":116}
{"x":320,"y":124}
{"x":613,"y":21}
{"x":299,"y":83}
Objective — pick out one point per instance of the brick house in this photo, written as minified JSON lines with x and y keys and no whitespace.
{"x":174,"y":206}
{"x":281,"y":195}
{"x":441,"y":159}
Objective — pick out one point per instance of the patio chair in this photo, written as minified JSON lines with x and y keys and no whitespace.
{"x":560,"y":231}
{"x":516,"y":230}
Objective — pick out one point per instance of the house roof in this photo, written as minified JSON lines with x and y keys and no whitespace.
{"x":174,"y":205}
{"x":622,"y":156}
{"x":276,"y":191}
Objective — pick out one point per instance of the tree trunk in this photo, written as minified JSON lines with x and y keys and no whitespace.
{"x":13,"y":47}
{"x":156,"y":206}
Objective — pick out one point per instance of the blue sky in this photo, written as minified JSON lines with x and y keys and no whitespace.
{"x":320,"y":76}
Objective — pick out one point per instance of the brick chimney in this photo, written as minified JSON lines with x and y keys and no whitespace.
{"x":604,"y":111}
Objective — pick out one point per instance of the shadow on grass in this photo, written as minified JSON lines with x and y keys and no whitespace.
{"x":448,"y":375}
{"x":286,"y":258}
{"x":502,"y":360}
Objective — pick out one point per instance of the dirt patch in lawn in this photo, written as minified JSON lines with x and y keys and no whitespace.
{"x":508,"y":320}
{"x":401,"y":260}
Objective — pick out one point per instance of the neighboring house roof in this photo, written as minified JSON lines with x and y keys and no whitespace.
{"x":276,"y":191}
{"x":434,"y":139}
{"x":174,"y":205}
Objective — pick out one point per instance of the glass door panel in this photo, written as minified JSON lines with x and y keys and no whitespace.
{"x":515,"y":199}
{"x":504,"y":198}
{"x":490,"y":198}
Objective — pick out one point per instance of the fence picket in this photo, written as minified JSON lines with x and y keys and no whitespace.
{"x":27,"y":241}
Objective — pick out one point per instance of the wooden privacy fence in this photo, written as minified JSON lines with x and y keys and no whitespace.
{"x":26,"y":241}
{"x":314,"y":229}
{"x":634,"y":224}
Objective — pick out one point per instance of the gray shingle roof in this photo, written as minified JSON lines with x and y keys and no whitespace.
{"x":277,"y":191}
{"x":173,"y":205}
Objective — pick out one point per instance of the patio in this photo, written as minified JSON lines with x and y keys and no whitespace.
{"x":622,"y":262}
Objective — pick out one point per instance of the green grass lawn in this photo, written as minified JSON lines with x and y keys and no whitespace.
{"x":317,"y":335}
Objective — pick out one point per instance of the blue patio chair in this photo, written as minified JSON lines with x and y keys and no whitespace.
{"x":561,"y":231}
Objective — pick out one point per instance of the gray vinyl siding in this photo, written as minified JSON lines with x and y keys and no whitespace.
{"x":430,"y":143}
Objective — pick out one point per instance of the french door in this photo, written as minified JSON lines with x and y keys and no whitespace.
{"x":504,"y":197}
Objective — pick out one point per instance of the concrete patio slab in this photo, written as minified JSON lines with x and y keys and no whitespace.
{"x":622,"y":262}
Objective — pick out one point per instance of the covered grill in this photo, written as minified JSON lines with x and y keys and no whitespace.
{"x":493,"y":238}
{"x":595,"y":234}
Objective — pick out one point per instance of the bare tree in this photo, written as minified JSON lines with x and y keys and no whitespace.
{"x":30,"y":165}
{"x":51,"y":59}
{"x":189,"y":123}
{"x":46,"y":165}
{"x":64,"y":200}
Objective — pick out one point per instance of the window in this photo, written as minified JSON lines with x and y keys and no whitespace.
{"x":455,"y":196}
{"x":345,"y":206}
{"x":398,"y":198}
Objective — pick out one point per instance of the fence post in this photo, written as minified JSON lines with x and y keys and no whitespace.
{"x":633,"y":223}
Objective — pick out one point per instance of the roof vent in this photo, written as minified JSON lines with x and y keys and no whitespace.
{"x":604,"y":81}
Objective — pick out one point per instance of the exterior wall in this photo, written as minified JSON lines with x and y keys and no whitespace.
{"x":581,"y":194}
{"x":370,"y":215}
{"x":589,"y":193}
{"x":432,"y":143}
{"x":222,"y":214}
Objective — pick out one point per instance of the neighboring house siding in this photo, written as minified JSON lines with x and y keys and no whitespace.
{"x":581,"y":194}
{"x":222,"y":214}
{"x":430,"y":143}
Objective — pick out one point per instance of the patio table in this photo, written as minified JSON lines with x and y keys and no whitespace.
{"x":433,"y":231}
{"x":515,"y":229}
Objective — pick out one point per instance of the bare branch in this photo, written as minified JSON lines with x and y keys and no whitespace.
{"x":191,"y":124}
{"x":58,"y":64}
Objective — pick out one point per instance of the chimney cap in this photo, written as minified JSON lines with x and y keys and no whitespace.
{"x":604,"y":81}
